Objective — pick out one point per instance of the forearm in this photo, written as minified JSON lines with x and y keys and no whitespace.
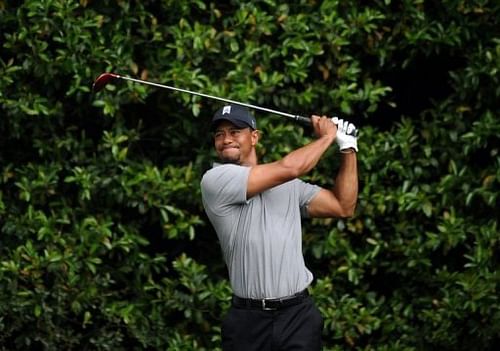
{"x":346,"y":183}
{"x":296,"y":163}
{"x":304,"y":159}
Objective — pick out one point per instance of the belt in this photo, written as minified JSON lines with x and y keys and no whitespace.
{"x":270,"y":304}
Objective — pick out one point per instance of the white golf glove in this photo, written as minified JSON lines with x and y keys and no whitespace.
{"x":347,"y":134}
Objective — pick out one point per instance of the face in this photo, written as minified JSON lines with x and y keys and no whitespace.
{"x":234,"y":144}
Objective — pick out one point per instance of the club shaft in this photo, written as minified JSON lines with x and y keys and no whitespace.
{"x":298,"y":118}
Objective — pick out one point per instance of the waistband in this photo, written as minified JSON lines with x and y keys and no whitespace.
{"x":270,"y":304}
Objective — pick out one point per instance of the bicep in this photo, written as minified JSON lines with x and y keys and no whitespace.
{"x":325,"y":204}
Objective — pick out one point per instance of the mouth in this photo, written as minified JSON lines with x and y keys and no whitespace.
{"x":229,"y":154}
{"x":225,"y":148}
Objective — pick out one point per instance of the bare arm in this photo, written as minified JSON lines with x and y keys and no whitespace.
{"x":296,"y":163}
{"x":341,"y":200}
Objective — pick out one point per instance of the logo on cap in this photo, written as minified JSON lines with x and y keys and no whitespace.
{"x":226,"y":109}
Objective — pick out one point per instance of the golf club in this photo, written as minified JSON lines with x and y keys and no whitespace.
{"x":105,"y":78}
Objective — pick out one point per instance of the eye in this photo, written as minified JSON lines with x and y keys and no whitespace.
{"x":218,"y":134}
{"x":235,"y":132}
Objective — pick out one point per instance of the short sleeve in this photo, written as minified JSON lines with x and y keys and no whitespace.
{"x":224,"y":185}
{"x":307,"y":192}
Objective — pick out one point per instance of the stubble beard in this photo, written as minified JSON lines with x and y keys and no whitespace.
{"x":232,"y":160}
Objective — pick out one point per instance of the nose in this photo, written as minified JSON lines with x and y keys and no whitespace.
{"x":228,"y":138}
{"x":225,"y":136}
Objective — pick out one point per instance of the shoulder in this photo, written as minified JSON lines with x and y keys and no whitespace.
{"x":305,"y":189}
{"x":223,"y":173}
{"x":223,"y":167}
{"x":225,"y":184}
{"x":219,"y":170}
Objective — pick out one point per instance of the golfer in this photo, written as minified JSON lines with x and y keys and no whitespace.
{"x":256,"y":210}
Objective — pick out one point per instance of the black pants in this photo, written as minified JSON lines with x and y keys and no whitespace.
{"x":296,"y":328}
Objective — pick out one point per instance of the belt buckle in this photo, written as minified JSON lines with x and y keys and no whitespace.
{"x":265,"y":308}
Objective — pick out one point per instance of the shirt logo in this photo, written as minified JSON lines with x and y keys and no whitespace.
{"x":226,"y":109}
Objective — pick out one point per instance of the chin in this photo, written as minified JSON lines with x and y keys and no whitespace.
{"x":235,"y":161}
{"x":230,"y":158}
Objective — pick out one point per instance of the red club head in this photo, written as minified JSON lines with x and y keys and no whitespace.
{"x":102,"y":80}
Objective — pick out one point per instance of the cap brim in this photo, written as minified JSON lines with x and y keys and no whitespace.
{"x":237,"y":123}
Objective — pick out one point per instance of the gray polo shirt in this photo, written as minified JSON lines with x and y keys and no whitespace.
{"x":260,"y":237}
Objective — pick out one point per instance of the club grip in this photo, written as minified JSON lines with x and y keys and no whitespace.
{"x":303,"y":120}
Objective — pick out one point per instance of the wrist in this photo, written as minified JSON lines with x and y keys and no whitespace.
{"x":328,"y":138}
{"x":349,"y":150}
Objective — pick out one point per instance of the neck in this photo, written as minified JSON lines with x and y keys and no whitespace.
{"x":251,"y":160}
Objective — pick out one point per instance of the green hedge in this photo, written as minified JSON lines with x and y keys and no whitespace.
{"x":104,"y":244}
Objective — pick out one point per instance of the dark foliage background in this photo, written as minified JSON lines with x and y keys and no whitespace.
{"x":103,"y":241}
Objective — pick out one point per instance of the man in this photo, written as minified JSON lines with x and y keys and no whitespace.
{"x":256,"y":210}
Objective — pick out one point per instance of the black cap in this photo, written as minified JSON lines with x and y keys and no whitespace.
{"x":240,"y":116}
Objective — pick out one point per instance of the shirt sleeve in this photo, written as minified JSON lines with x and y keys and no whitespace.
{"x":223,"y":186}
{"x":307,"y":192}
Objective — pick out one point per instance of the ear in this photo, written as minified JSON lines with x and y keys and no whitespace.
{"x":255,"y":137}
